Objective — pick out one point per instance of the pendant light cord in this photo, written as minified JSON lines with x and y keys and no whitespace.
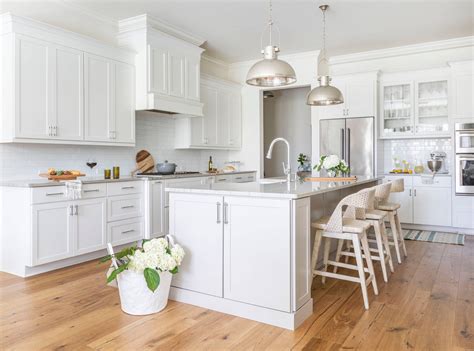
{"x":324,"y":34}
{"x":270,"y":20}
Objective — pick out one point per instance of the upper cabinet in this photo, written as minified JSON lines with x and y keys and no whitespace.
{"x":415,"y":104}
{"x":360,"y":96}
{"x":220,"y":127}
{"x":63,"y":88}
{"x":462,"y":76}
{"x":168,"y":64}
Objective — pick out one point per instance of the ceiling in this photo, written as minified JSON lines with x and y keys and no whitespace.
{"x":232,"y":28}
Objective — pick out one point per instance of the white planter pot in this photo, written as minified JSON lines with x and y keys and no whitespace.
{"x":137,"y":299}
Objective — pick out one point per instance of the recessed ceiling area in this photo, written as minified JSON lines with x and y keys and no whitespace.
{"x":233,"y":28}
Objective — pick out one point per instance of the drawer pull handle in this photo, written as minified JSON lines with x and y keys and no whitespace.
{"x":92,"y":190}
{"x":128,"y":231}
{"x":128,"y":206}
{"x":238,"y":178}
{"x":222,"y":180}
{"x":54,"y":194}
{"x":127,"y":187}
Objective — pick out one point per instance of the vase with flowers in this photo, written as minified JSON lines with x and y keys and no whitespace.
{"x":333,"y":165}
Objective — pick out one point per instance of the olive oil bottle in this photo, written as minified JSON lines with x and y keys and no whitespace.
{"x":210,"y":165}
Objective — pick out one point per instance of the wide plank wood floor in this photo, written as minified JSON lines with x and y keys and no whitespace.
{"x":428,"y":304}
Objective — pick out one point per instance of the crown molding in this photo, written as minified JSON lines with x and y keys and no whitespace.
{"x":145,"y":22}
{"x":97,"y":16}
{"x":403,"y":50}
{"x":215,"y":61}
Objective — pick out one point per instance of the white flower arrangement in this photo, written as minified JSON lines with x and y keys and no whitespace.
{"x":333,"y":164}
{"x":155,"y":256}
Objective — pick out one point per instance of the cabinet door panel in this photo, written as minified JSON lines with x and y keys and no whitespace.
{"x":98,"y":98}
{"x":405,"y":199}
{"x":210,"y":110}
{"x":193,"y":78}
{"x":256,"y":255}
{"x":124,"y":103}
{"x":176,"y":74}
{"x":90,"y":228}
{"x":196,"y":223}
{"x":360,"y":95}
{"x":34,"y":87}
{"x":69,"y":94}
{"x":223,"y":118}
{"x":432,"y":206}
{"x":52,"y":232}
{"x":462,"y":96}
{"x":235,"y":120}
{"x":156,"y":214}
{"x":158,"y":81}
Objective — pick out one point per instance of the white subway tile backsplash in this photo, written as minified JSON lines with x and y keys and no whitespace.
{"x":412,"y":150}
{"x":153,"y":133}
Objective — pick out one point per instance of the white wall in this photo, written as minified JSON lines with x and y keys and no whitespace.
{"x":154,"y":132}
{"x":286,"y":115}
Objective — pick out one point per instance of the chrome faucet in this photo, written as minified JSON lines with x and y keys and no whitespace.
{"x":287,"y":168}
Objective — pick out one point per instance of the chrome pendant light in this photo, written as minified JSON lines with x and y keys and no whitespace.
{"x":271,"y":72}
{"x":324,"y":94}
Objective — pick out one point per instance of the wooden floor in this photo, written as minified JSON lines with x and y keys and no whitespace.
{"x":428,"y":304}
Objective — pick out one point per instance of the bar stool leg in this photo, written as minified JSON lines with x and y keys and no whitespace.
{"x":378,"y":238}
{"x":393,"y":226}
{"x":386,"y":245}
{"x":400,"y":232}
{"x":327,"y":246}
{"x":360,"y":268}
{"x":317,"y":244}
{"x":340,"y":243}
{"x":368,"y":258}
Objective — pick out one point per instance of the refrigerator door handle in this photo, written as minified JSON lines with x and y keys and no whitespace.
{"x":343,"y":144}
{"x":349,"y":147}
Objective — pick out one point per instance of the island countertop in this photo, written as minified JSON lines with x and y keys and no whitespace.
{"x":293,"y":190}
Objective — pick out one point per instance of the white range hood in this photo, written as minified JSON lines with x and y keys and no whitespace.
{"x":168,"y":64}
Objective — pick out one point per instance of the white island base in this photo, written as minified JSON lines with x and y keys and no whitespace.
{"x":248,"y":247}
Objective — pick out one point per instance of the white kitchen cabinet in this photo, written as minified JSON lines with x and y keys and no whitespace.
{"x":52,"y":236}
{"x":463,"y":212}
{"x":359,"y":92}
{"x":192,"y":76}
{"x":415,"y":104}
{"x":33,"y":87}
{"x":125,"y":231}
{"x":424,"y":201}
{"x":197,"y":225}
{"x":176,"y":74}
{"x":154,"y":207}
{"x":221,"y":124}
{"x":432,"y":206}
{"x":255,"y":263}
{"x":109,"y":114}
{"x":462,"y":77}
{"x":90,"y":225}
{"x":68,"y":109}
{"x":62,"y":90}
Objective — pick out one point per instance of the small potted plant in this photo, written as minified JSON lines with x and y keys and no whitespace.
{"x":333,"y":165}
{"x":304,"y":168}
{"x":144,"y":274}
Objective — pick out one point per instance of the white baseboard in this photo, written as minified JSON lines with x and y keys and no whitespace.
{"x":287,"y":320}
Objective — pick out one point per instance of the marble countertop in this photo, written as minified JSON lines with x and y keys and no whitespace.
{"x":293,"y":190}
{"x":42,"y":182}
{"x":417,"y":174}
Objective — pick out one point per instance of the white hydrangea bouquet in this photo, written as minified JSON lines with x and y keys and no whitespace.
{"x":154,"y":257}
{"x":333,"y":165}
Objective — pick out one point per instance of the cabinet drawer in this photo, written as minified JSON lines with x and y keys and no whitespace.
{"x":126,"y":231}
{"x":438,"y":182}
{"x":48,"y":194}
{"x":124,"y":188}
{"x":90,"y":191}
{"x":224,"y":178}
{"x":123,"y":207}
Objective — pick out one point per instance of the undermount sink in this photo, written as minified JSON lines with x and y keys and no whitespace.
{"x":271,"y":181}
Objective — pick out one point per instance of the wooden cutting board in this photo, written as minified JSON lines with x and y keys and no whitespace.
{"x":331,"y":179}
{"x":145,"y":162}
{"x":61,"y":177}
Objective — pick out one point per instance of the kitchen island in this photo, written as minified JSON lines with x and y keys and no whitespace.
{"x":249,"y":245}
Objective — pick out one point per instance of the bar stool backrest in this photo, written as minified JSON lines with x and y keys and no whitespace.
{"x":382,"y":193}
{"x":356,"y":205}
{"x":398,"y":186}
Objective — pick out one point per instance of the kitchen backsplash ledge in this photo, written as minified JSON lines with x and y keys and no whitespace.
{"x":153,"y":133}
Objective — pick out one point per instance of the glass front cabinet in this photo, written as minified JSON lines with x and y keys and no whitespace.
{"x":410,"y":108}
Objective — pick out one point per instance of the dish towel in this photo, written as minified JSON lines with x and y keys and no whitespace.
{"x":74,"y":189}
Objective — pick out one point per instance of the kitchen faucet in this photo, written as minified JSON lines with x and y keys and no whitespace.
{"x":287,"y":168}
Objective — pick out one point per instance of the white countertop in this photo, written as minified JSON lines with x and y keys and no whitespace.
{"x":294,"y":190}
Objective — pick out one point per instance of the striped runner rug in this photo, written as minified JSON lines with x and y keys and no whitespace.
{"x":434,"y":237}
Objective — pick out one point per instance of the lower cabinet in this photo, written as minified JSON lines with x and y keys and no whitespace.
{"x":65,"y":229}
{"x":231,"y":252}
{"x":197,"y":224}
{"x":426,"y":203}
{"x":125,"y":231}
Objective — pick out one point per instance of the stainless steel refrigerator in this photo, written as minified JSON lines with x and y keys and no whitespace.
{"x":352,"y":139}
